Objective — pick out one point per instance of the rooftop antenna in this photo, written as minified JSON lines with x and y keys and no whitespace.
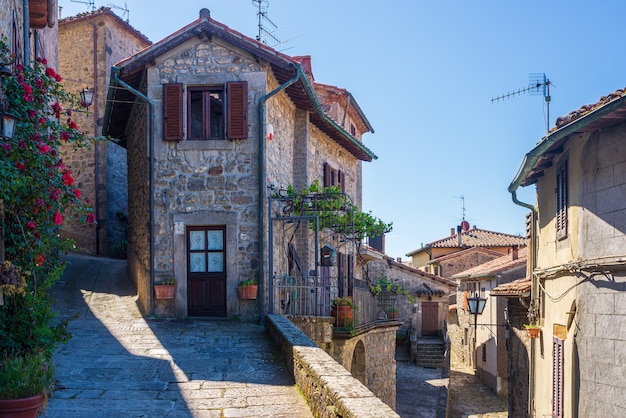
{"x":264,"y":35}
{"x":537,"y":84}
{"x":464,"y":224}
{"x":89,"y":3}
{"x":125,"y":11}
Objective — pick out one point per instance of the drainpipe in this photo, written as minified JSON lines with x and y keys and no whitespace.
{"x":533,"y":289}
{"x":26,"y":34}
{"x":115,"y":73}
{"x":95,"y":132}
{"x":262,"y":182}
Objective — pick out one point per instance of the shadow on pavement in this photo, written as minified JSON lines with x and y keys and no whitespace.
{"x":119,"y":363}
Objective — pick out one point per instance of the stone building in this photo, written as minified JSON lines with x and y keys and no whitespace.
{"x":577,"y":364}
{"x":483,"y":343}
{"x":213,"y":121}
{"x":89,"y":44}
{"x":517,"y":297}
{"x":443,"y":257}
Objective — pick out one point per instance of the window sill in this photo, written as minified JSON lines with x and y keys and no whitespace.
{"x":217,"y":144}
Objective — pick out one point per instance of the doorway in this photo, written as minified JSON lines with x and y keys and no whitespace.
{"x":206,"y":271}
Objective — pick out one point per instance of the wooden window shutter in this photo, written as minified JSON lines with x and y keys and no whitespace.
{"x":172,"y":112}
{"x":465,"y":304}
{"x":557,"y":377}
{"x":327,"y":175}
{"x":237,"y":109}
{"x":561,"y":201}
{"x":350,"y":271}
{"x":341,"y":178}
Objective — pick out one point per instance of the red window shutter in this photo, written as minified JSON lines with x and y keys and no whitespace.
{"x":465,"y":305}
{"x":327,"y":175}
{"x":172,"y":112}
{"x":237,"y":99}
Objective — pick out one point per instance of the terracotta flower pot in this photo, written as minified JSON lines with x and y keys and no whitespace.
{"x":344,"y":316}
{"x":164,"y":291}
{"x":533,"y":332}
{"x":248,"y":291}
{"x":20,"y":408}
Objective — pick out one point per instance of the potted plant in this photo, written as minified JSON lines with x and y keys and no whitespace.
{"x":392,"y":312}
{"x":24,"y":384}
{"x":165,"y":289}
{"x":343,"y":310}
{"x":533,"y":329}
{"x":247,"y":289}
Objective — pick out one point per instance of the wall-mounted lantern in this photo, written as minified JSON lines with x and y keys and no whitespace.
{"x":327,"y":254}
{"x":86,"y":96}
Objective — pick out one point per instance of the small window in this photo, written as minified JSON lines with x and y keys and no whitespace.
{"x":213,"y":112}
{"x":334,"y":177}
{"x":484,"y":352}
{"x":352,"y":130}
{"x":562,"y":203}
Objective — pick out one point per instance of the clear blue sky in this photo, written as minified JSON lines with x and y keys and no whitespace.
{"x":424,"y":73}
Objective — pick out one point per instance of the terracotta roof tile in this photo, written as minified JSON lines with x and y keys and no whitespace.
{"x":479,"y":238}
{"x":104,"y":11}
{"x":493,"y":267}
{"x":583,"y":110}
{"x":515,"y":288}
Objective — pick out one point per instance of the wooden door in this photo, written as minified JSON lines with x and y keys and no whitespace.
{"x":430,"y":319}
{"x":206,"y":271}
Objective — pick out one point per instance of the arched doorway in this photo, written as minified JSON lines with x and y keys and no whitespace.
{"x":358,"y":363}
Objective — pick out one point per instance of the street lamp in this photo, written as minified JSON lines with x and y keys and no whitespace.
{"x":476,"y":307}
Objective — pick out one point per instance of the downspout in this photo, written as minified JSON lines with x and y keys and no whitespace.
{"x":26,"y":11}
{"x":95,"y":132}
{"x":262,"y":182}
{"x":115,"y":73}
{"x":533,"y":289}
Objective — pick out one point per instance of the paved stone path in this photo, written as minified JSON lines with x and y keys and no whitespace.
{"x":119,"y":364}
{"x":470,"y":398}
{"x":420,"y":392}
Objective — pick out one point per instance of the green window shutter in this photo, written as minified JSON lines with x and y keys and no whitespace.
{"x":237,"y":109}
{"x":172,"y":112}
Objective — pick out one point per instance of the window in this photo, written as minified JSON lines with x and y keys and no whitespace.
{"x":561,"y":194}
{"x":484,"y":352}
{"x":557,"y":377}
{"x":213,"y":112}
{"x":334,"y":177}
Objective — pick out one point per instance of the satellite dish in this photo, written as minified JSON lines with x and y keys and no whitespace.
{"x":465,"y":226}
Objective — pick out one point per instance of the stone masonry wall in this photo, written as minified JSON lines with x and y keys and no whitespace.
{"x":98,"y":169}
{"x":217,"y":178}
{"x":330,"y":390}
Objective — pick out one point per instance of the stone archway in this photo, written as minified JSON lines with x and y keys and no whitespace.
{"x":358,"y":366}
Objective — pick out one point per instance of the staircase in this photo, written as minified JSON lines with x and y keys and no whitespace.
{"x":430,"y":352}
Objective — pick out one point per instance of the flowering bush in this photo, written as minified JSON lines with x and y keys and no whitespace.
{"x":38,"y":194}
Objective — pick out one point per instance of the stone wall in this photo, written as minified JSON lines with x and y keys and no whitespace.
{"x":330,"y":390}
{"x":88,"y":47}
{"x":519,"y":359}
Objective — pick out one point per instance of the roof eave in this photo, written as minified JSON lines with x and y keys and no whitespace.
{"x":548,"y":141}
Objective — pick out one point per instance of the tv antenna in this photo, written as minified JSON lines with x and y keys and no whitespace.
{"x":464,"y":224}
{"x":266,"y":35}
{"x":125,"y":11}
{"x":537,"y":84}
{"x":89,"y":3}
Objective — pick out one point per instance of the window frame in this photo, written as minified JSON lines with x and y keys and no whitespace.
{"x":206,"y":92}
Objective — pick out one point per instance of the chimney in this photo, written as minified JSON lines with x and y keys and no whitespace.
{"x":514,"y":252}
{"x":451,"y":232}
{"x":458,"y":235}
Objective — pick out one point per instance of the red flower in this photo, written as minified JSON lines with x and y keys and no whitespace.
{"x":43,"y":149}
{"x":54,"y":194}
{"x":77,"y":193}
{"x":71,"y":123}
{"x":27,"y":89}
{"x":31,"y":225}
{"x":56,"y":108}
{"x":67,"y":178}
{"x":58,"y":218}
{"x":50,"y":72}
{"x":58,"y":78}
{"x":91,"y":218}
{"x":39,"y":259}
{"x":65,"y":136}
{"x":20,"y":166}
